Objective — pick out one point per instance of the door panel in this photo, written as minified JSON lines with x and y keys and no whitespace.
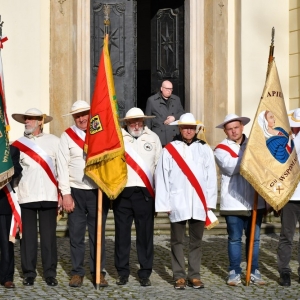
{"x":122,"y":43}
{"x":167,"y":48}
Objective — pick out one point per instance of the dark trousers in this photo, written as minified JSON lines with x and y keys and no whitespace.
{"x":140,"y":209}
{"x":290,"y":216}
{"x":7,"y":263}
{"x":29,"y":241}
{"x":196,"y":229}
{"x":85,"y":214}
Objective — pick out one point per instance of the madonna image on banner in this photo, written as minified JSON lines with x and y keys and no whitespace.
{"x":270,"y":162}
{"x":278,"y":141}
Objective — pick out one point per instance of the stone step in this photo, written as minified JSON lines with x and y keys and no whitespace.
{"x":270,"y":224}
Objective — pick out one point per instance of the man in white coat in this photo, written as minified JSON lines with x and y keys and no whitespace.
{"x":237,"y":197}
{"x":80,"y":195}
{"x":290,"y":215}
{"x":136,"y":202}
{"x":37,"y":194}
{"x":186,"y":187}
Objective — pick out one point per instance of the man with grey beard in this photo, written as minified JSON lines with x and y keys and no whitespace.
{"x":136,"y":202}
{"x":38,"y":195}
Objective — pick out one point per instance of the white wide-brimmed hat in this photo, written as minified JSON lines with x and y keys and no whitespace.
{"x":294,"y":117}
{"x":135,"y":113}
{"x":77,"y":107}
{"x":187,"y":119}
{"x":231,"y":118}
{"x":31,"y":112}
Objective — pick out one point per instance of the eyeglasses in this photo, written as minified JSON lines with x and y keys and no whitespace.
{"x":133,"y":124}
{"x":169,"y":89}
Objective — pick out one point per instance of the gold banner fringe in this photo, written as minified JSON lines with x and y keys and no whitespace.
{"x":103,"y":157}
{"x":212,"y":225}
{"x":59,"y":215}
{"x":250,"y":178}
{"x":6,"y":177}
{"x":12,"y":239}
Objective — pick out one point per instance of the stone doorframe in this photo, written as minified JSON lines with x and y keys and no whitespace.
{"x":69,"y":58}
{"x":206,"y":60}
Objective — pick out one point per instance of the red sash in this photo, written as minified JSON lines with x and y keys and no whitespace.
{"x":132,"y":163}
{"x":37,"y":158}
{"x":191,"y":177}
{"x":75,"y":137}
{"x":228,"y":149}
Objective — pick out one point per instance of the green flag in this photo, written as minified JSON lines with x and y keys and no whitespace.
{"x":6,"y":165}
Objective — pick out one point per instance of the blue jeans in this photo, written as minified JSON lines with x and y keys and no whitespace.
{"x":235,"y":227}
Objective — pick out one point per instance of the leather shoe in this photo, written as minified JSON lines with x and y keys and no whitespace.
{"x":103,"y":282}
{"x":76,"y":281}
{"x":9,"y":285}
{"x":285,"y":279}
{"x":145,"y":282}
{"x":122,"y":280}
{"x":51,"y":281}
{"x":28,"y":281}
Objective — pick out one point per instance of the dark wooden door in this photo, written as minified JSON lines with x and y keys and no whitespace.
{"x":167,"y":45}
{"x":122,"y":42}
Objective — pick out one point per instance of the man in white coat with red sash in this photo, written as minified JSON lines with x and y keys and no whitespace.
{"x":186,"y":188}
{"x":136,"y":202}
{"x":38,"y":194}
{"x":80,"y":196}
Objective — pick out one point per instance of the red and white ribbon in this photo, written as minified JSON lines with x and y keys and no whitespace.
{"x":2,"y":40}
{"x":16,"y":221}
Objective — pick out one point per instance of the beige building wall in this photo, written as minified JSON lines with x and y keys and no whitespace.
{"x":237,"y":36}
{"x":46,"y":60}
{"x":26,"y":57}
{"x":257,"y":19}
{"x":294,"y":50}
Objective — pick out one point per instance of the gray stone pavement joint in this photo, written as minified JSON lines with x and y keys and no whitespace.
{"x":213,"y":273}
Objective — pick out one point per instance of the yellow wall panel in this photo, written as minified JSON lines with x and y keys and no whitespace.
{"x":294,"y":64}
{"x":294,"y":15}
{"x":294,"y":87}
{"x":294,"y":4}
{"x":294,"y":42}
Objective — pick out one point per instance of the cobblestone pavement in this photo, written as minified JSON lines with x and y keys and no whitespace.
{"x":213,"y":274}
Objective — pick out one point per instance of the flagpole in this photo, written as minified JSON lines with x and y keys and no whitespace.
{"x":99,"y":239}
{"x":271,"y":52}
{"x":254,"y":211}
{"x":251,"y":242}
{"x":100,"y":193}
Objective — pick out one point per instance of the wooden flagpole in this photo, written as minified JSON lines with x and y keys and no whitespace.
{"x":254,"y":211}
{"x":99,"y":239}
{"x":251,"y":242}
{"x":106,"y":21}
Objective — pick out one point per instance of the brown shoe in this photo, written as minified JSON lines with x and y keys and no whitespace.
{"x":9,"y":285}
{"x":196,"y":283}
{"x":179,"y":284}
{"x":103,"y":282}
{"x":76,"y":281}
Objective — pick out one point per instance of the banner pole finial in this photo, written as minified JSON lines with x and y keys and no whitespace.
{"x":1,"y":25}
{"x":271,"y":53}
